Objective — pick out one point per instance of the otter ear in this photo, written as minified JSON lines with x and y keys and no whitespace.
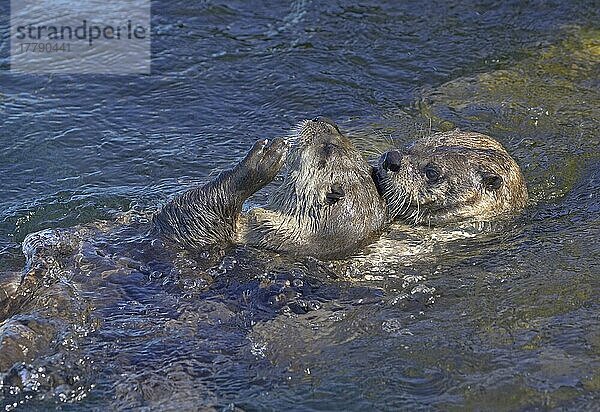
{"x":491,"y":180}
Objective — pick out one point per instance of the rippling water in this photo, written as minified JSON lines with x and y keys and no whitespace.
{"x":500,"y":318}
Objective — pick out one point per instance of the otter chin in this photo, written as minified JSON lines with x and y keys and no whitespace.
{"x":450,"y":177}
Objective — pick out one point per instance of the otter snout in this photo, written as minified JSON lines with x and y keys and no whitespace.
{"x":325,"y":138}
{"x":392,"y":161}
{"x":327,"y":120}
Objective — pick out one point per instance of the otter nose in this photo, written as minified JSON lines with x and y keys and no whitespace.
{"x":323,"y":119}
{"x":392,"y":160}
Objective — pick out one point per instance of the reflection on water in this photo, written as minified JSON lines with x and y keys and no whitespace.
{"x":503,"y":317}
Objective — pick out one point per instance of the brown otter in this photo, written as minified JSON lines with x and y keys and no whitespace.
{"x":327,"y":205}
{"x":450,"y":177}
{"x":331,"y":201}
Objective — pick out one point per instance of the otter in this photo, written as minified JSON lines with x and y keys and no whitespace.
{"x":450,"y":177}
{"x":327,"y":205}
{"x":331,"y":201}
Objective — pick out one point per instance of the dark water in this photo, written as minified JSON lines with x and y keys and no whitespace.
{"x":448,"y":318}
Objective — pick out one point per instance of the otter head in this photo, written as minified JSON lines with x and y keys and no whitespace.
{"x":450,"y":177}
{"x":328,"y":198}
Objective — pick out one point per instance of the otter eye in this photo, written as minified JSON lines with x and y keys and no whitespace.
{"x":432,"y":173}
{"x":491,"y":180}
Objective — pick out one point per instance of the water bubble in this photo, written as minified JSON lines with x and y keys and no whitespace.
{"x":422,"y":289}
{"x":395,"y":327}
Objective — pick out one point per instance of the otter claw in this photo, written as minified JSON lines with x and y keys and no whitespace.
{"x":264,"y":160}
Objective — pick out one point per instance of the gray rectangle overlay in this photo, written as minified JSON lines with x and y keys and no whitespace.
{"x":89,"y":36}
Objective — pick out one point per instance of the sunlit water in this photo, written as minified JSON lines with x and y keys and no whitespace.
{"x":503,"y":317}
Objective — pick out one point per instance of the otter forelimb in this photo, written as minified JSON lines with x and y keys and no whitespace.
{"x":207,"y":215}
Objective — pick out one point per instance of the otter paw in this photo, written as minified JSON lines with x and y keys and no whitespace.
{"x":264,"y":161}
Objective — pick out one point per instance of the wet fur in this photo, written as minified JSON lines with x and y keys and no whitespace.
{"x":327,"y":205}
{"x":479,"y":181}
